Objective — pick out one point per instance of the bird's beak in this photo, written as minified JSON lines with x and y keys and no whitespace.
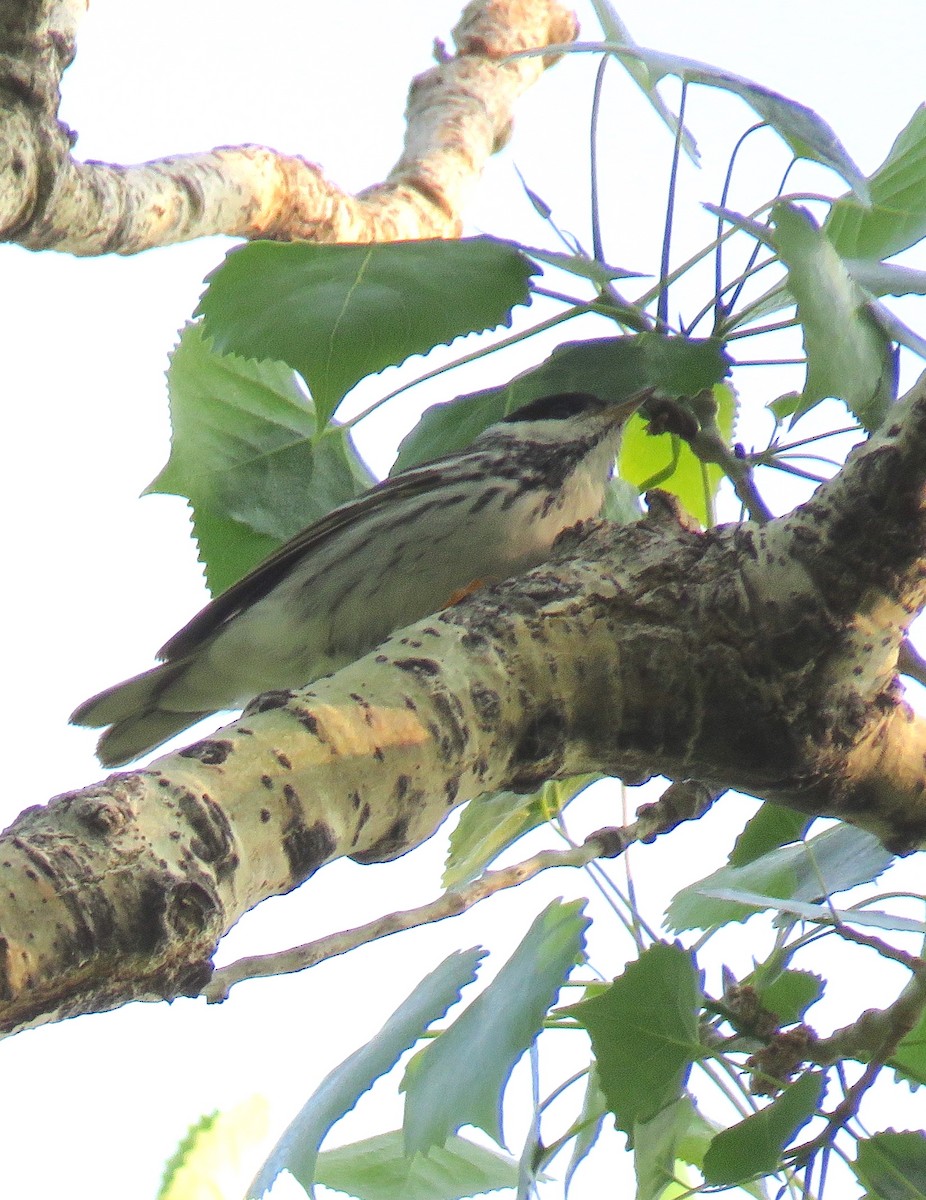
{"x":623,"y":411}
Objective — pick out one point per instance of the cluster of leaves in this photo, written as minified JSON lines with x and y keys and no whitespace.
{"x":284,"y":333}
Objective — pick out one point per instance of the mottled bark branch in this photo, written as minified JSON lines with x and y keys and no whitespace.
{"x":761,"y":658}
{"x":459,"y":113}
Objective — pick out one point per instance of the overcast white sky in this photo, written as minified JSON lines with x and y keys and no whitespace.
{"x":98,"y":579}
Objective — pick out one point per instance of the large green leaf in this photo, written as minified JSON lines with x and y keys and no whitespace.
{"x":297,"y":1149}
{"x":892,"y":1166}
{"x":807,"y":134}
{"x":909,"y":1059}
{"x":613,"y":368}
{"x":490,"y":824}
{"x":834,"y":860}
{"x":754,"y":1146}
{"x":644,"y":1031}
{"x":848,"y":354}
{"x":459,"y":1079}
{"x":245,"y":453}
{"x":378,"y":1169}
{"x":339,"y":313}
{"x":790,"y":994}
{"x":896,"y":217}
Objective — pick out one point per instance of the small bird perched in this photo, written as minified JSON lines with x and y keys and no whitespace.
{"x":402,"y":550}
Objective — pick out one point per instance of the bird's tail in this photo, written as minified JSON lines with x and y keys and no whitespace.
{"x":137,"y":722}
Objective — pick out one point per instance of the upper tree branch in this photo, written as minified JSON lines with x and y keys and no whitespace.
{"x":459,"y":113}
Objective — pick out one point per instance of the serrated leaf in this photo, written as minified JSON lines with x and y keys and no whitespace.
{"x":892,"y":1166}
{"x":339,"y":313}
{"x":806,"y":133}
{"x":848,"y":354}
{"x":297,"y":1149}
{"x":668,"y":462}
{"x":377,"y":1169}
{"x":755,"y":1145}
{"x":208,"y":1162}
{"x":644,"y":1031}
{"x":791,"y":994}
{"x":245,"y":453}
{"x":831,"y":862}
{"x":460,"y":1078}
{"x":613,"y":368}
{"x":491,"y":823}
{"x":896,"y":217}
{"x":772,"y":826}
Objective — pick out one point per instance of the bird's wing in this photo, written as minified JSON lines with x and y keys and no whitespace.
{"x":267,"y":574}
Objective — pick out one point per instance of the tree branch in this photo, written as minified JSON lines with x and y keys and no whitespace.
{"x":459,"y":113}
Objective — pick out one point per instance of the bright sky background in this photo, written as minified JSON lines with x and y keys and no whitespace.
{"x":98,"y":579}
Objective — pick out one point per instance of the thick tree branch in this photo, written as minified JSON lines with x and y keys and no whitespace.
{"x":459,"y":113}
{"x":761,"y":658}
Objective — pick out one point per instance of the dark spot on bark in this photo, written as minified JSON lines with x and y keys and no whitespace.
{"x":211,"y":752}
{"x":355,"y":799}
{"x":306,"y":847}
{"x":283,"y":760}
{"x":410,"y":704}
{"x":309,"y":721}
{"x":378,"y":754}
{"x":381,"y":658}
{"x":539,"y":752}
{"x":163,"y":783}
{"x":267,"y":781}
{"x":451,"y":788}
{"x":487,"y":704}
{"x":212,"y":840}
{"x":425,"y":668}
{"x":267,"y":701}
{"x":402,"y":784}
{"x":264,"y":815}
{"x":393,"y":842}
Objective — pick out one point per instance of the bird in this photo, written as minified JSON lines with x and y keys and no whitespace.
{"x":402,"y":550}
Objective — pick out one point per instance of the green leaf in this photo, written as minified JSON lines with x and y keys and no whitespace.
{"x":818,"y":912}
{"x":771,"y":827}
{"x":909,"y":1059}
{"x":668,"y":462}
{"x":591,"y":1119}
{"x":245,"y":454}
{"x":579,"y":264}
{"x":616,"y":31}
{"x":831,"y":862}
{"x":459,"y":1079}
{"x":807,"y":134}
{"x":644,"y":1031}
{"x":848,"y":355}
{"x":896,"y":218}
{"x":339,"y":313}
{"x":492,"y":822}
{"x":755,"y":1145}
{"x":297,"y":1149}
{"x":791,"y":994}
{"x":208,"y":1162}
{"x":892,"y":1166}
{"x":656,"y":1148}
{"x":377,"y":1169}
{"x":613,"y":368}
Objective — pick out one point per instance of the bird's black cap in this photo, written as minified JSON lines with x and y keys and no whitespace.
{"x":557,"y":408}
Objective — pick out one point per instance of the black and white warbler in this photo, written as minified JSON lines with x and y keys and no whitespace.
{"x":400,"y":551}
